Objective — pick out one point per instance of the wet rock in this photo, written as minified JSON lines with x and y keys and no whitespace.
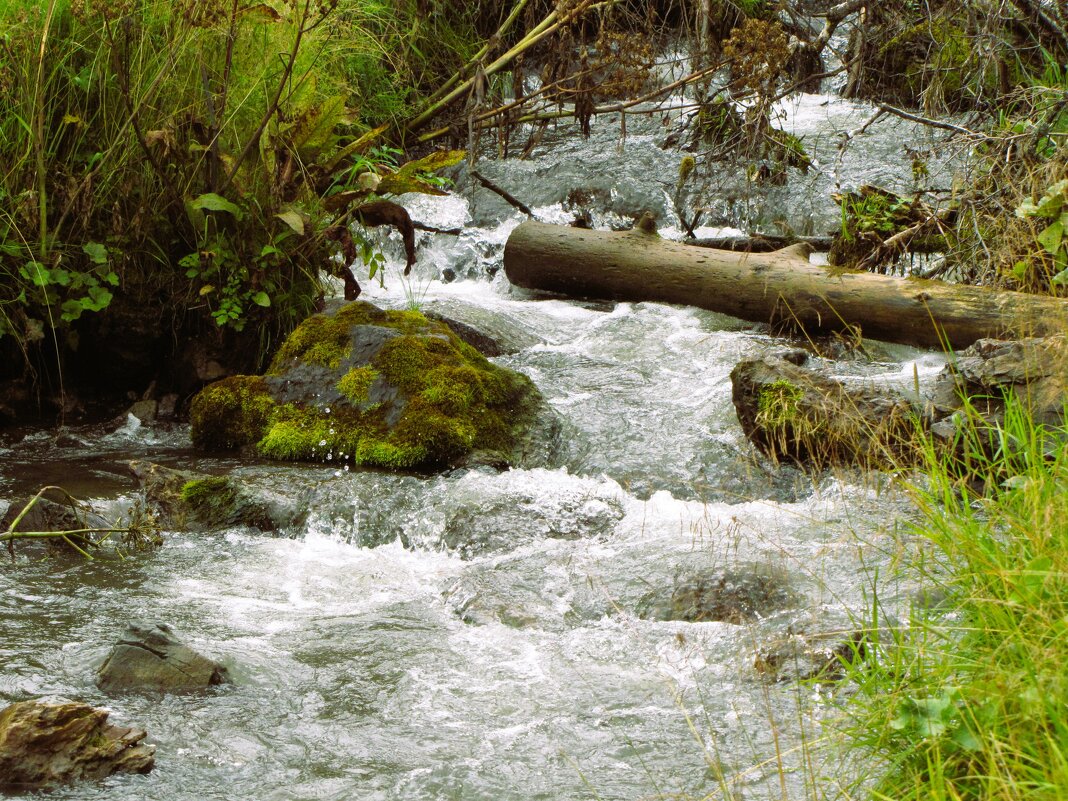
{"x":387,"y":389}
{"x":1034,"y":371}
{"x":43,"y":745}
{"x":802,"y":414}
{"x":145,"y":410}
{"x":184,"y":500}
{"x":731,"y":596}
{"x":149,"y":657}
{"x":489,"y":332}
{"x":825,"y":656}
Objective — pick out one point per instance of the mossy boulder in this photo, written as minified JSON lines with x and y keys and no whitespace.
{"x":365,"y":386}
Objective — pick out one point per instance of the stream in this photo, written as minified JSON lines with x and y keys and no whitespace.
{"x":492,"y":635}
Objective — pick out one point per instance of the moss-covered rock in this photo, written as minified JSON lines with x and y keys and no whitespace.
{"x":184,"y":500}
{"x":794,"y":413}
{"x":365,"y":386}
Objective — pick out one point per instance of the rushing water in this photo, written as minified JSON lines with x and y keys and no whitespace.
{"x":480,"y":635}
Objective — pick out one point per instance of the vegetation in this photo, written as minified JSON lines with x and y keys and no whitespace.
{"x":194,"y":162}
{"x":968,"y":702}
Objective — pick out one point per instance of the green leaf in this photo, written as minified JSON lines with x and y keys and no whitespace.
{"x":97,"y":253}
{"x":98,"y":298}
{"x":36,"y":272}
{"x":398,"y":184}
{"x":261,"y":299}
{"x":1019,"y":270}
{"x":60,"y":277}
{"x":112,"y":278}
{"x":1061,"y":278}
{"x":210,"y":201}
{"x":313,"y":129}
{"x":435,"y":161}
{"x":71,"y":310}
{"x":1050,"y":238}
{"x":966,"y":739}
{"x":293,"y":219}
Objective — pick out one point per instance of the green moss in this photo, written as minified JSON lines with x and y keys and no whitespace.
{"x":209,"y":498}
{"x":356,"y":383}
{"x":202,"y":489}
{"x":231,"y":413}
{"x":452,"y":400}
{"x":318,"y":340}
{"x":377,"y":453}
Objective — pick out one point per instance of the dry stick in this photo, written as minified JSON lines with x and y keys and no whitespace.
{"x":945,"y":126}
{"x":511,"y":199}
{"x":551,"y":115}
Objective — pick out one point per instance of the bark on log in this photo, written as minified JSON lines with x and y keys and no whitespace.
{"x":778,"y":287}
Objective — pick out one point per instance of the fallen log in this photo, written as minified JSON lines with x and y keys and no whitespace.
{"x":781,"y":287}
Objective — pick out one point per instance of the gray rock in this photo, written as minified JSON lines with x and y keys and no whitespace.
{"x":43,"y":745}
{"x":1034,"y":370}
{"x":145,"y":410}
{"x":149,"y":657}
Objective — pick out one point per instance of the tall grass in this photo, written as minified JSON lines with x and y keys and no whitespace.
{"x":971,"y":700}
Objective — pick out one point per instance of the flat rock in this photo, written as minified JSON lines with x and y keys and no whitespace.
{"x":43,"y":745}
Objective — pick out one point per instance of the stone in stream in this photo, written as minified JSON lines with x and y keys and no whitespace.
{"x":1034,"y":371}
{"x":150,"y":658}
{"x":387,"y":389}
{"x":737,"y":595}
{"x":794,"y":413}
{"x":43,"y":745}
{"x":184,"y":500}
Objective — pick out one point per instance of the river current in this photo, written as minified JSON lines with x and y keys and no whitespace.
{"x":480,"y":634}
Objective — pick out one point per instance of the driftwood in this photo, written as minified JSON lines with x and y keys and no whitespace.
{"x":780,"y":287}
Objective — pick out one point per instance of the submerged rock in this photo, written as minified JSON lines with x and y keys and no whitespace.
{"x":185,"y":500}
{"x":382,"y":388}
{"x":794,"y":413}
{"x":43,"y":745}
{"x":149,"y":657}
{"x":826,"y":656}
{"x":732,"y":596}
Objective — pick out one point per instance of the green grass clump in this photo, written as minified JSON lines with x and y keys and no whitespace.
{"x":973,"y":704}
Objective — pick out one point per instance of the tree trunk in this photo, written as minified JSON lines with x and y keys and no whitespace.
{"x":778,"y":287}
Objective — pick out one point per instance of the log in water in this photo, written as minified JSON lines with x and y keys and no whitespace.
{"x":777,"y":287}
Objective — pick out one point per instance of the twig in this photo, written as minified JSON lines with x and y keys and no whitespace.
{"x":945,"y":126}
{"x":511,"y":199}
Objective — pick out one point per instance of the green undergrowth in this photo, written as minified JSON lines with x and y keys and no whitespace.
{"x":973,"y":703}
{"x":424,"y":399}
